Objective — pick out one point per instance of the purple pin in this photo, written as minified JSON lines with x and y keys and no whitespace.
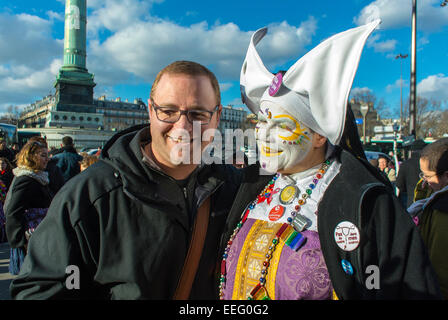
{"x":276,"y":84}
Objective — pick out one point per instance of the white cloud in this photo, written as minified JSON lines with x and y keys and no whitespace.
{"x":360,"y":91}
{"x":55,"y":15}
{"x":434,"y":87}
{"x":396,"y":85}
{"x":23,"y":85}
{"x":381,"y":46}
{"x":144,"y":47}
{"x":397,"y":14}
{"x":137,"y":45}
{"x":115,"y":15}
{"x":236,"y":103}
{"x":29,"y":58}
{"x":27,"y":40}
{"x":225,"y":86}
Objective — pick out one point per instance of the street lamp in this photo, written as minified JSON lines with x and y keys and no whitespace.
{"x":413,"y":85}
{"x":401,"y":57}
{"x":395,"y":127}
{"x":364,"y":108}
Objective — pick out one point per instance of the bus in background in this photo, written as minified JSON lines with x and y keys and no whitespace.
{"x":23,"y":137}
{"x":9,"y":133}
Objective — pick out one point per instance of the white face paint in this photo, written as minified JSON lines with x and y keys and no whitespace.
{"x":283,"y":141}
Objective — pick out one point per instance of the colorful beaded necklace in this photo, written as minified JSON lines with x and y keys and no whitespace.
{"x":287,"y":233}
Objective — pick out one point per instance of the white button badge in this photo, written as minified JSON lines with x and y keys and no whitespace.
{"x":347,"y":236}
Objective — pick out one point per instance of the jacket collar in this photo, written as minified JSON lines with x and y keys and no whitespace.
{"x":148,"y":183}
{"x":40,"y":176}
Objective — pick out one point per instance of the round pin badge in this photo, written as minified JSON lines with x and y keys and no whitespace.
{"x":276,"y":213}
{"x":347,"y":267}
{"x":347,"y":236}
{"x":276,"y":84}
{"x":288,"y":194}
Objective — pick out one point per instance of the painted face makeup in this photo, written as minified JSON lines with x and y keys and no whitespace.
{"x":283,"y":141}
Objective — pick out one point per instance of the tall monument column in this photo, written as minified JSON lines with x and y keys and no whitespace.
{"x":75,"y":35}
{"x":74,"y":84}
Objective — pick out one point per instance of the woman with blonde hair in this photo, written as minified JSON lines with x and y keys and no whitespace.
{"x":27,"y":200}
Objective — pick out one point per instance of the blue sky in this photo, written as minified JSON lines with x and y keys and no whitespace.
{"x":129,"y":41}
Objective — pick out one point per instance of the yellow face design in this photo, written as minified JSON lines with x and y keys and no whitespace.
{"x":296,"y":134}
{"x":282,"y":139}
{"x":288,"y":129}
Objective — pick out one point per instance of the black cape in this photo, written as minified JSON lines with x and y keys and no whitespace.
{"x":389,"y":240}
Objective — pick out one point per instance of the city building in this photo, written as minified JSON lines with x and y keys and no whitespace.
{"x":231,"y":118}
{"x":73,"y":106}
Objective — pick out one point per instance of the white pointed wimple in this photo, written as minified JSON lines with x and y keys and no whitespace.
{"x":324,"y":76}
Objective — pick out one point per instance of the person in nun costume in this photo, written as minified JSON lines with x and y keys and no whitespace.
{"x":316,"y":221}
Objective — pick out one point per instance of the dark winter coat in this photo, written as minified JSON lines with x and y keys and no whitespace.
{"x":127,"y":227}
{"x":8,"y":154}
{"x":68,"y":162}
{"x":389,"y":238}
{"x":7,"y":176}
{"x":433,"y":225}
{"x":407,"y":177}
{"x":55,"y":175}
{"x":24,"y":193}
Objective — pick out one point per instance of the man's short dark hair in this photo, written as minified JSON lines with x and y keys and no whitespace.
{"x":67,"y":141}
{"x":436,"y":154}
{"x":188,"y":68}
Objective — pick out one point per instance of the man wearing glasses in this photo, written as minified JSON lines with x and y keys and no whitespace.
{"x":122,"y":228}
{"x":430,"y":209}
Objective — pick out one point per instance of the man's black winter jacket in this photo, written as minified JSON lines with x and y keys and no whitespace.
{"x":126,"y":227}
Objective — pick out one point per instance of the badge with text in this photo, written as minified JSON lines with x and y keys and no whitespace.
{"x":288,"y":194}
{"x":276,"y":213}
{"x":347,"y":236}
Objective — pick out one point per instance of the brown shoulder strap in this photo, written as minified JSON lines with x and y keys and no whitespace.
{"x":194,"y":253}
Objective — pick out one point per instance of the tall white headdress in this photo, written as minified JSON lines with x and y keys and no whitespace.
{"x":316,"y":88}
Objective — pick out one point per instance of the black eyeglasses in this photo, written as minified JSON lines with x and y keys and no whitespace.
{"x":421,"y":175}
{"x":172,"y":115}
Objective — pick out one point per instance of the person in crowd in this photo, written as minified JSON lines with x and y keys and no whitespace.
{"x":6,"y":174}
{"x":384,"y":166}
{"x":3,"y":192}
{"x":6,"y":177}
{"x":87,"y":161}
{"x":408,"y":175}
{"x":374,"y":162}
{"x":430,"y":209}
{"x":126,"y":222}
{"x":54,"y":172}
{"x":53,"y":151}
{"x":5,"y":151}
{"x":98,"y":153}
{"x":15,"y":148}
{"x":326,"y":221}
{"x":68,"y":160}
{"x":27,"y":200}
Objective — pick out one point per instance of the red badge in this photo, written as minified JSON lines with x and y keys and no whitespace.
{"x":276,"y":213}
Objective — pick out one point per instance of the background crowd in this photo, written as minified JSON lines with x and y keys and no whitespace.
{"x":29,"y":179}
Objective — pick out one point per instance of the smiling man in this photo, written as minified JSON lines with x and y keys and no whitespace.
{"x":177,"y":101}
{"x":122,"y":228}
